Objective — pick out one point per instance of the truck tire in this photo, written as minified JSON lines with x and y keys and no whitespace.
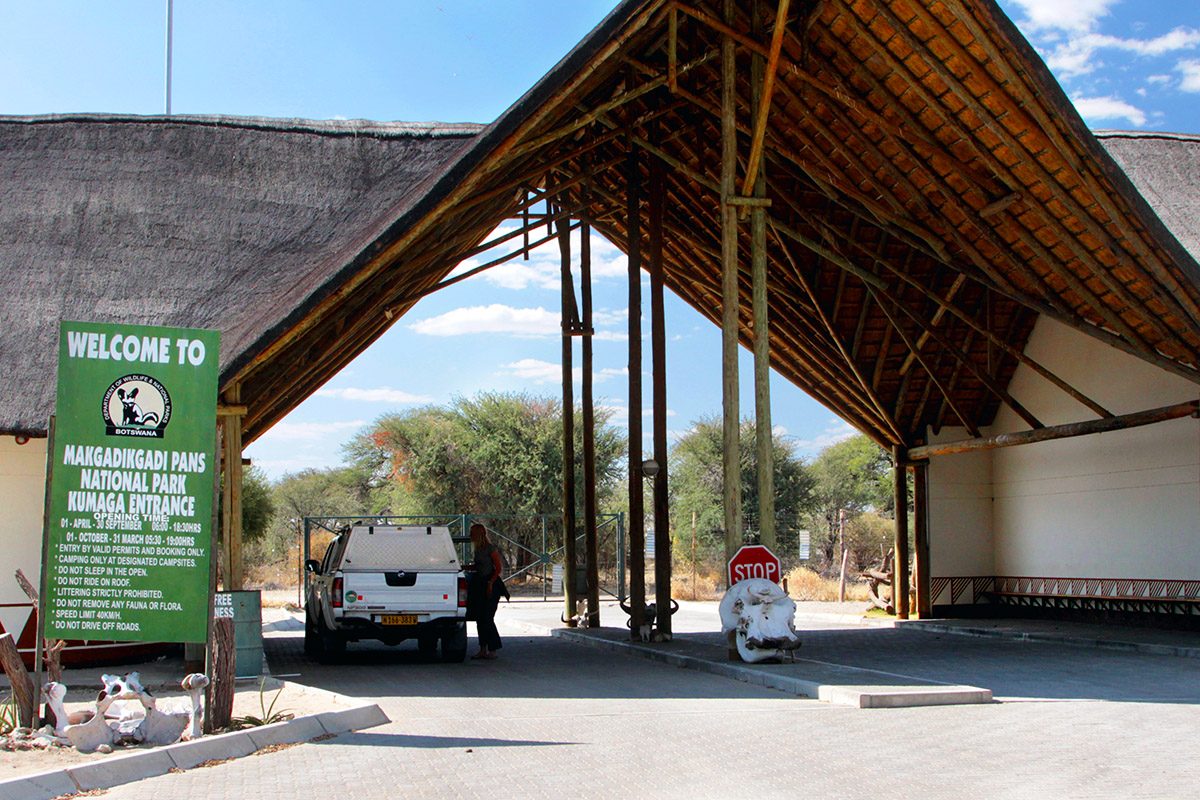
{"x":312,"y":641}
{"x":428,"y":645}
{"x":454,"y":645}
{"x":333,"y":644}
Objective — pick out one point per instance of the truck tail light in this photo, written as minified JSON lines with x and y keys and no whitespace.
{"x":462,"y":592}
{"x":335,"y":593}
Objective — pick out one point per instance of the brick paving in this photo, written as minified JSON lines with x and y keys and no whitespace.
{"x":556,"y":719}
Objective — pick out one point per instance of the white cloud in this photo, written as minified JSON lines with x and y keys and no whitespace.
{"x":620,"y":416}
{"x":538,"y":371}
{"x":291,"y":431}
{"x":610,"y":336}
{"x":496,"y":318}
{"x":1076,"y":56}
{"x":1191,"y":75}
{"x":542,"y":269}
{"x":545,"y":372}
{"x":1068,"y":15}
{"x":838,"y":431}
{"x":1101,"y":108}
{"x":382,"y":395}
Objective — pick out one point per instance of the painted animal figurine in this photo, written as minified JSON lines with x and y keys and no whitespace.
{"x":85,"y":737}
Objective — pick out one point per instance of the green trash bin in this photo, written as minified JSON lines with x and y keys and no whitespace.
{"x":246,"y":607}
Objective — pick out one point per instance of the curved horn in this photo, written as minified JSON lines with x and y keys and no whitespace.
{"x":674,"y":605}
{"x":626,"y":608}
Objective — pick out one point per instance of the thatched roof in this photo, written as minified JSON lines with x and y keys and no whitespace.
{"x":234,"y":224}
{"x":932,"y":192}
{"x":1165,"y":169}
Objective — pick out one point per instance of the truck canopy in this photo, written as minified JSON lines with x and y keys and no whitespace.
{"x":411,"y":547}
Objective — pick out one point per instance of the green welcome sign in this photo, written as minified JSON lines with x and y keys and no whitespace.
{"x":131,"y":497}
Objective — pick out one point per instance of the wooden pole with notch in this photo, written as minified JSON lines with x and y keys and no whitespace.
{"x":730,"y":429}
{"x":900,"y":563}
{"x":759,"y":105}
{"x":637,"y":519}
{"x":658,"y":359}
{"x":568,"y":424}
{"x":591,"y":536}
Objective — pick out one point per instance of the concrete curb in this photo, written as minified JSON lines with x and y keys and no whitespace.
{"x":135,"y":766}
{"x":874,"y":697}
{"x":931,"y":626}
{"x":865,"y":696}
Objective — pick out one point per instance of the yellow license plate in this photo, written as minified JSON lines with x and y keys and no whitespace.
{"x":399,"y":619}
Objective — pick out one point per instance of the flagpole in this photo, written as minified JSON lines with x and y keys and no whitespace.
{"x":170,"y":8}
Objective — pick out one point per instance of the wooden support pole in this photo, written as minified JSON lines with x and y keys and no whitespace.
{"x":52,"y":647}
{"x":921,"y":540}
{"x":40,"y":602}
{"x":760,"y":98}
{"x":731,"y":461}
{"x":210,"y":664}
{"x":568,"y":423}
{"x":220,"y":712}
{"x":900,"y":564}
{"x":1123,"y":422}
{"x":590,"y":537}
{"x":637,"y":520}
{"x":673,"y":50}
{"x":231,"y":495}
{"x":658,"y":359}
{"x":763,"y":84}
{"x":18,"y":679}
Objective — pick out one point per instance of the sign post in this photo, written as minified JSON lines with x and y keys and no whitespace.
{"x":753,"y":561}
{"x":129,"y":534}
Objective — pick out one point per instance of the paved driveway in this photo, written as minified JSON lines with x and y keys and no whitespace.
{"x":554,"y":719}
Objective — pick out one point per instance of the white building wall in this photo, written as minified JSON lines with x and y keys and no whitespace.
{"x":22,"y":506}
{"x":960,"y":511}
{"x":1124,"y":504}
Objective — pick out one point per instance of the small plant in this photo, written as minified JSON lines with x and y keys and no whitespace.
{"x":8,"y":715}
{"x":269,"y":715}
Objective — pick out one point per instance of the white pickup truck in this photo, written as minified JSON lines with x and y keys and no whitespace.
{"x":387,"y":583}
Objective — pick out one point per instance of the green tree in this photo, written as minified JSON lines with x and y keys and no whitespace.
{"x":258,"y":507}
{"x":697,"y":480}
{"x":495,"y":453}
{"x":853,"y":476}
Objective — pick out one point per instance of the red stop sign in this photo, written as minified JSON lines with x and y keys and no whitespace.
{"x":753,"y":561}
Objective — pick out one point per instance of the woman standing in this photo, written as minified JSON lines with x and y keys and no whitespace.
{"x":483,"y":592}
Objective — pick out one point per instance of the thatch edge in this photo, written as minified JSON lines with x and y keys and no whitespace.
{"x":328,"y":127}
{"x":1053,"y":94}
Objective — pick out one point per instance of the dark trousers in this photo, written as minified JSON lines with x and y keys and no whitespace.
{"x":489,"y":637}
{"x":483,"y":610}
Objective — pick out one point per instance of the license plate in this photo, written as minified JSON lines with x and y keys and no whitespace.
{"x":399,"y":619}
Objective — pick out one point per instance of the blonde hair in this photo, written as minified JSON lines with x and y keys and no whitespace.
{"x":479,"y":530}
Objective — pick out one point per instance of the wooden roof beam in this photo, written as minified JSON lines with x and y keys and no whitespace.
{"x":603,"y":109}
{"x":964,"y":94}
{"x":764,"y":106}
{"x":967,"y":361}
{"x":945,"y":304}
{"x":1051,"y":126}
{"x":1190,"y":408}
{"x":831,"y":332}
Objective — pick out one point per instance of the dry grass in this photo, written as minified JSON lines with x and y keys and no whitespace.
{"x":708,"y":585}
{"x":804,"y":584}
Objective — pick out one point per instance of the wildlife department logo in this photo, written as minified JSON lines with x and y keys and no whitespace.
{"x":136,"y":405}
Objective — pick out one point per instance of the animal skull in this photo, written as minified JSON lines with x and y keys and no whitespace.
{"x":758,"y":617}
{"x":647,"y":630}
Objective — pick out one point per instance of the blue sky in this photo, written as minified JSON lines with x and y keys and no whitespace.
{"x":1126,"y":64}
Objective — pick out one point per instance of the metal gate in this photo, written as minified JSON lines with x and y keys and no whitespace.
{"x":531,"y":545}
